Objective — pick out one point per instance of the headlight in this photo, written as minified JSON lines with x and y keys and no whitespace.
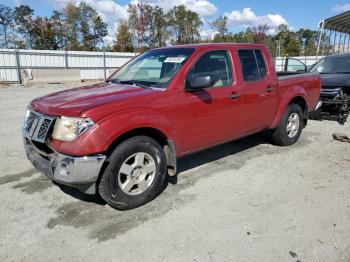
{"x":69,"y":128}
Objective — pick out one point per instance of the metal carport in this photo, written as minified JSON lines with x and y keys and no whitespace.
{"x":334,"y":35}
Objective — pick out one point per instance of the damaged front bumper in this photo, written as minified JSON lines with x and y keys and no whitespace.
{"x":78,"y":172}
{"x":334,"y":104}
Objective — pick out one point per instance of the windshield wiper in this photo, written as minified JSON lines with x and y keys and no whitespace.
{"x":129,"y":82}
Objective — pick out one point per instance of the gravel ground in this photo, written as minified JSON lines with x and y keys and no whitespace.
{"x":242,"y":201}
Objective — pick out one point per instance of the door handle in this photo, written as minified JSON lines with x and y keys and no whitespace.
{"x":269,"y":89}
{"x":234,"y":96}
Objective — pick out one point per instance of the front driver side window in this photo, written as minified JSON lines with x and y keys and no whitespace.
{"x":217,"y":64}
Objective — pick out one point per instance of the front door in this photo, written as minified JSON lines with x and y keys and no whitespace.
{"x":211,"y":114}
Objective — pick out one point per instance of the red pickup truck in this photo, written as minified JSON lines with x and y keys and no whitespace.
{"x":122,"y":138}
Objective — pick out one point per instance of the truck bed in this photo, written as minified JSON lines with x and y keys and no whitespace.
{"x":310,"y":82}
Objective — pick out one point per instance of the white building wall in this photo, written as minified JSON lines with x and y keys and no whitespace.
{"x":91,"y":64}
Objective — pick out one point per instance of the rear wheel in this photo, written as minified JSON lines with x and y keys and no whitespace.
{"x":135,"y":173}
{"x":289,"y":130}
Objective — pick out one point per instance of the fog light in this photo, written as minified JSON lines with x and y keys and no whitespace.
{"x":63,"y":170}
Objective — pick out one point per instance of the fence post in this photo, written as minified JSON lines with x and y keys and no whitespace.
{"x":66,"y":58}
{"x":18,"y":66}
{"x":104,"y":63}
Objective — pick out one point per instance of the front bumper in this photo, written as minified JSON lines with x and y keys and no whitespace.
{"x":78,"y":172}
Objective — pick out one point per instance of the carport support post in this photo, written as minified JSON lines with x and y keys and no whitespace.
{"x":325,"y":35}
{"x":335,"y":40}
{"x":320,"y":33}
{"x":18,"y":67}
{"x":345,"y":35}
{"x":339,"y":43}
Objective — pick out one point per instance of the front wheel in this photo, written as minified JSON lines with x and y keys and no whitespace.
{"x":289,"y":130}
{"x":135,"y":173}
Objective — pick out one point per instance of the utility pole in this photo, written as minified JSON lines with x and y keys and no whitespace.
{"x":278,"y":49}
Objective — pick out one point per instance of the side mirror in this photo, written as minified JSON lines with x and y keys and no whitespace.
{"x":199,"y":81}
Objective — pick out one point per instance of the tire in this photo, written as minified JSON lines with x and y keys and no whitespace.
{"x":135,"y":173}
{"x":280,"y":135}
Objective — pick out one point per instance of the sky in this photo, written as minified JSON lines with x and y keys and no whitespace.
{"x":241,"y":13}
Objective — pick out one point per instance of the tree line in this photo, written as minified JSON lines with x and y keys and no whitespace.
{"x":149,"y":26}
{"x":76,"y":27}
{"x":80,"y":27}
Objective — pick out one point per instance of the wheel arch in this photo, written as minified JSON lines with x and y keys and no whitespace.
{"x":154,"y":133}
{"x":300,"y":100}
{"x":296,"y":96}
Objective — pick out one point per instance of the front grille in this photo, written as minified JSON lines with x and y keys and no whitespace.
{"x":329,"y":90}
{"x":44,"y":128}
{"x":38,"y":126}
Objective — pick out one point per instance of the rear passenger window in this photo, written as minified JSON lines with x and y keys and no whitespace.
{"x":253,"y":64}
{"x":248,"y":64}
{"x":261,"y":63}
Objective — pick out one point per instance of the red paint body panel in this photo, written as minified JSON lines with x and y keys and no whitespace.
{"x":193,"y":121}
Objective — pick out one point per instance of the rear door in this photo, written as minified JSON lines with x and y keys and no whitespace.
{"x":259,"y":89}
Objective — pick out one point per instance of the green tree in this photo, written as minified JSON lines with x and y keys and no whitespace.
{"x":158,"y":27}
{"x":99,"y":30}
{"x":293,"y":46}
{"x":246,"y":36}
{"x":220,"y":26}
{"x":72,"y":14}
{"x":184,"y":25}
{"x":140,"y":22}
{"x":23,"y":16}
{"x":6,"y":22}
{"x":123,"y":41}
{"x":308,"y":40}
{"x":290,"y":44}
{"x":86,"y":14}
{"x":85,"y":28}
{"x":58,"y":27}
{"x":260,"y":35}
{"x":42,"y":34}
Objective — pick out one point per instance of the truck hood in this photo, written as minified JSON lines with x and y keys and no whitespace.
{"x":73,"y":102}
{"x":335,"y":80}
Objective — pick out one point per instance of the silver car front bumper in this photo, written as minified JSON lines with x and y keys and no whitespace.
{"x":79,"y":172}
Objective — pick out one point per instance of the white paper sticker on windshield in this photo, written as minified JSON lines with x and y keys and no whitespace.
{"x":177,"y":59}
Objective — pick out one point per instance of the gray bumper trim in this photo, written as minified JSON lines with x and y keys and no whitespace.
{"x":318,"y":106}
{"x":73,"y":171}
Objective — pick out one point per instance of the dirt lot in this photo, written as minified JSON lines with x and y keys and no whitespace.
{"x":243,"y":201}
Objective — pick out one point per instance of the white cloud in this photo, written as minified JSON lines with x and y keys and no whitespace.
{"x":17,"y":2}
{"x":340,"y":8}
{"x":208,"y":34}
{"x":247,"y":18}
{"x":202,"y":7}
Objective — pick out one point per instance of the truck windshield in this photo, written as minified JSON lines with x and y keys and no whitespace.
{"x":155,"y":68}
{"x":332,"y":65}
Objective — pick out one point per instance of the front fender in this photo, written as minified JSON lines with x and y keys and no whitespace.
{"x":284,"y":101}
{"x":107,"y":130}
